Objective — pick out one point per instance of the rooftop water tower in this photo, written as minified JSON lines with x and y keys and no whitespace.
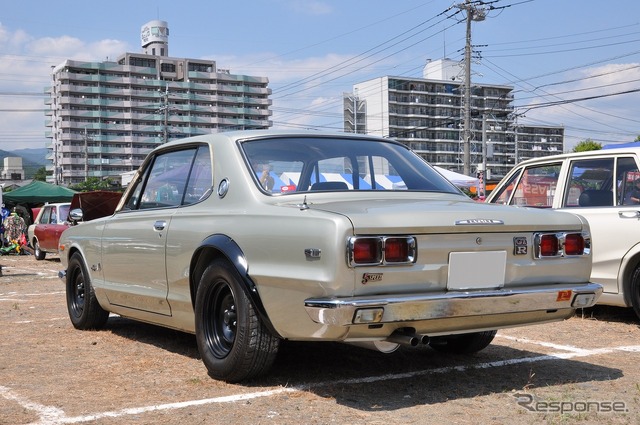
{"x":154,"y":38}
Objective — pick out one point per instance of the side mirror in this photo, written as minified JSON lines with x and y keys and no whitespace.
{"x":75,"y":215}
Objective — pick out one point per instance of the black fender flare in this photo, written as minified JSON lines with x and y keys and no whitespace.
{"x":233,"y":253}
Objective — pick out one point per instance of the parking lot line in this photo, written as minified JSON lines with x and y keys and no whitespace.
{"x":53,"y":416}
{"x":541,"y":343}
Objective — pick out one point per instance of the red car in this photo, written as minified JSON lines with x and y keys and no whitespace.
{"x":52,"y":219}
{"x":46,"y":229}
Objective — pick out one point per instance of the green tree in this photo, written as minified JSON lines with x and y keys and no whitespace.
{"x":41,"y":174}
{"x":587,"y":145}
{"x":94,"y":183}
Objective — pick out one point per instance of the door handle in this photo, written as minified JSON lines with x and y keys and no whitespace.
{"x":159,"y":225}
{"x":629,"y":214}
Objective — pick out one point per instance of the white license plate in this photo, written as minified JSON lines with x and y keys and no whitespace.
{"x":476,"y":270}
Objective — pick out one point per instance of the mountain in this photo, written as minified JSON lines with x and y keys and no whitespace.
{"x":32,"y":159}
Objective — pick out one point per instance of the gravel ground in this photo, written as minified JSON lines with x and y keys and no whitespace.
{"x":583,"y":370}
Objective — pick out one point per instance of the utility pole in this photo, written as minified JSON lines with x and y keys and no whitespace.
{"x":483,"y":172}
{"x":165,"y":109}
{"x":86,"y":155}
{"x":473,"y":14}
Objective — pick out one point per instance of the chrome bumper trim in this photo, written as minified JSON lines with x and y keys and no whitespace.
{"x":450,"y":305}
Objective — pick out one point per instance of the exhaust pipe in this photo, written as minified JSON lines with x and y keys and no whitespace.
{"x":392,"y":343}
{"x":410,"y":339}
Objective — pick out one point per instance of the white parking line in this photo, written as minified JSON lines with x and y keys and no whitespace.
{"x":53,"y":416}
{"x":542,"y":343}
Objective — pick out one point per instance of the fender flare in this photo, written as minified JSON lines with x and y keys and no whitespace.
{"x":233,"y":253}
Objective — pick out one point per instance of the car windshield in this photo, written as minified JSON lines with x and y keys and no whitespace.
{"x":301,"y":164}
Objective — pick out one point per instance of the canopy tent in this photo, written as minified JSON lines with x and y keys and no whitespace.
{"x":456,"y":178}
{"x":622,"y":145}
{"x":38,"y":192}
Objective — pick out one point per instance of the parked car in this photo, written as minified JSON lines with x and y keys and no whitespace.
{"x":53,"y":219}
{"x":599,"y":186}
{"x":249,"y":238}
{"x":46,"y":229}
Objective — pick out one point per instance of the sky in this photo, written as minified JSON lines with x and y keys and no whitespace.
{"x":571,"y":63}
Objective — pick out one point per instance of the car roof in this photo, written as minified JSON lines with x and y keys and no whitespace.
{"x":586,"y":154}
{"x":233,"y":136}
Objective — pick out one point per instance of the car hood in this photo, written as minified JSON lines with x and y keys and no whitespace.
{"x":450,"y":216}
{"x":96,"y":204}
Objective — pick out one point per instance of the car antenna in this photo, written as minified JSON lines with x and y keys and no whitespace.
{"x":304,"y":205}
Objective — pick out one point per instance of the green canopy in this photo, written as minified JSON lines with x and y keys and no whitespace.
{"x":38,"y":192}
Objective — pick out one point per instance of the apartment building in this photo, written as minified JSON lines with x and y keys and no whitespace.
{"x":103,"y":118}
{"x":426,"y":114}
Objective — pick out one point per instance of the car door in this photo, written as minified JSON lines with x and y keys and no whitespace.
{"x":134,"y":239}
{"x":598,"y":189}
{"x":41,"y":229}
{"x":57,"y":225}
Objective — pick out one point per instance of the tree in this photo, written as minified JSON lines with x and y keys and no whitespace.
{"x":41,"y":174}
{"x":95,"y":183}
{"x":587,"y":145}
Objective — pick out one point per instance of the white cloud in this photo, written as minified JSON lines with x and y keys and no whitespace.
{"x":25,"y":72}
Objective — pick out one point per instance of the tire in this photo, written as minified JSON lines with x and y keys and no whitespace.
{"x":37,"y":252}
{"x":634,"y":291}
{"x":84,"y":310}
{"x":463,"y":343}
{"x":233,"y":342}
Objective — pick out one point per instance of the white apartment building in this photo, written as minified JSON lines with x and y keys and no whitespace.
{"x":427,"y":115}
{"x":103,"y":118}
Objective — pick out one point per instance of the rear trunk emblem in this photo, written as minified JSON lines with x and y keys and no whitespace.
{"x":476,"y":221}
{"x":519,"y":245}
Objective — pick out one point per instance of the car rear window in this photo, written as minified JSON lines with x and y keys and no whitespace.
{"x":300,"y":164}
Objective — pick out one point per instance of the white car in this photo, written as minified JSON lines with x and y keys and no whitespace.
{"x":601,"y":187}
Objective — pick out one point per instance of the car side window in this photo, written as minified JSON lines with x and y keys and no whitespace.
{"x":590,"y":183}
{"x":46,"y":215}
{"x":627,"y":181}
{"x":166,"y":180}
{"x":537,"y":186}
{"x":506,"y":190}
{"x":200,"y":182}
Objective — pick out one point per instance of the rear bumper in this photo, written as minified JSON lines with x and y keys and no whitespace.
{"x":506,"y":303}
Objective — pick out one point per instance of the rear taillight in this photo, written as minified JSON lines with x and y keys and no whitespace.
{"x":549,"y":245}
{"x":574,"y":244}
{"x":381,"y":250}
{"x":367,"y":251}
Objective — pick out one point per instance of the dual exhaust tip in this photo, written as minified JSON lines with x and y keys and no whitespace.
{"x":409,"y":339}
{"x":395,"y":340}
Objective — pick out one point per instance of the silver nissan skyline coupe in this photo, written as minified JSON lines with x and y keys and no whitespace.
{"x":249,"y":238}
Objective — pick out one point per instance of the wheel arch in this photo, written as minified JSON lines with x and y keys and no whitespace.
{"x":630,"y":262}
{"x":222,"y":246}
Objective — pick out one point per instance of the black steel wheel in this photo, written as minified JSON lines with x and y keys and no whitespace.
{"x":84,"y":310}
{"x":38,"y":253}
{"x":233,"y":342}
{"x":463,"y":343}
{"x":634,"y":291}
